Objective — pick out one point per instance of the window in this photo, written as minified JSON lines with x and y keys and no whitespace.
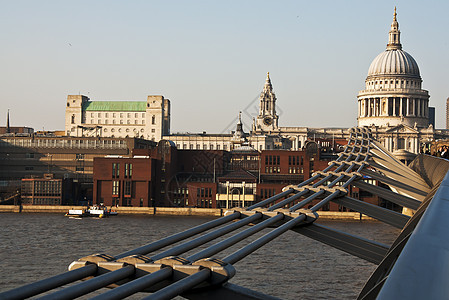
{"x":73,"y":119}
{"x":128,"y":170}
{"x":29,"y":155}
{"x":153,"y":120}
{"x":127,"y":188}
{"x":115,"y":188}
{"x":115,"y":170}
{"x":79,"y":156}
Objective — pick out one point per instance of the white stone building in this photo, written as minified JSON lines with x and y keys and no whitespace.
{"x":230,"y":141}
{"x":145,"y":119}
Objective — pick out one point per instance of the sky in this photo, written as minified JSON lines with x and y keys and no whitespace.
{"x":210,"y":58}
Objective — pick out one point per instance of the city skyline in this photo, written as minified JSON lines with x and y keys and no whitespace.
{"x":211,"y":59}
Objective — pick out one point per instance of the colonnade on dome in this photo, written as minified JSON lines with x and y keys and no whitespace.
{"x":393,"y":110}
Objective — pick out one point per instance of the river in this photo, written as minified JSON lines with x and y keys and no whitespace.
{"x":37,"y":246}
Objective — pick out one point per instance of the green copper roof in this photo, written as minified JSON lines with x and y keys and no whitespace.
{"x":115,"y":106}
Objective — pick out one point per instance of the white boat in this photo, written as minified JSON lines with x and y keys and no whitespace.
{"x":101,"y":211}
{"x":77,"y":213}
{"x":93,"y":211}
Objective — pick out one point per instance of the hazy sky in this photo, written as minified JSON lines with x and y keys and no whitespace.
{"x":210,"y":58}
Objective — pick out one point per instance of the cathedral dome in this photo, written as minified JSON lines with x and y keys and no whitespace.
{"x":394,"y":62}
{"x":393,"y":94}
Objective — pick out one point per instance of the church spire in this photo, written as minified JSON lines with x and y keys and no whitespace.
{"x":8,"y":128}
{"x":394,"y":35}
{"x":267,"y":120}
{"x":268,"y":82}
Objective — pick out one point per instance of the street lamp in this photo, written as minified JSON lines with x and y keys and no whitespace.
{"x":227,"y":194}
{"x":243,"y":187}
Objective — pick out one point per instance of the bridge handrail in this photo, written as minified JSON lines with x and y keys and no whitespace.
{"x":423,"y":262}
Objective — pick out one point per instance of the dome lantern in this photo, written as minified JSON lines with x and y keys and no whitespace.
{"x":394,"y":35}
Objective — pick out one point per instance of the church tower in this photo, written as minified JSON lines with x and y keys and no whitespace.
{"x":267,"y":120}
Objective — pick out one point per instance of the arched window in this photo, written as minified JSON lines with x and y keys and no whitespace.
{"x":153,"y":119}
{"x":73,"y":119}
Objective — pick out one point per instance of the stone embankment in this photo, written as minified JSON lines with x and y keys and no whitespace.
{"x":164,"y":211}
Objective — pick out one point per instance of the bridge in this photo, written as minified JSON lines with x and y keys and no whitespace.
{"x":413,"y":267}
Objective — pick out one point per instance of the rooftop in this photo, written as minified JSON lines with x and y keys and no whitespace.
{"x":139,"y":106}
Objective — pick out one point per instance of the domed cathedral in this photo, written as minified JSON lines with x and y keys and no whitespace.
{"x":393,"y":94}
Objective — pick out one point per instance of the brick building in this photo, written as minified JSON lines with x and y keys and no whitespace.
{"x":167,"y":176}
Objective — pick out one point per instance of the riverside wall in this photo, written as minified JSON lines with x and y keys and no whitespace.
{"x":164,"y":211}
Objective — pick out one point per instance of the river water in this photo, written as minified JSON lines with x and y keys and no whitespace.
{"x":37,"y":246}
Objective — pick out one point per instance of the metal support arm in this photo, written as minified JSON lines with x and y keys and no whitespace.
{"x":388,"y":195}
{"x":368,"y":250}
{"x":388,"y":216}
